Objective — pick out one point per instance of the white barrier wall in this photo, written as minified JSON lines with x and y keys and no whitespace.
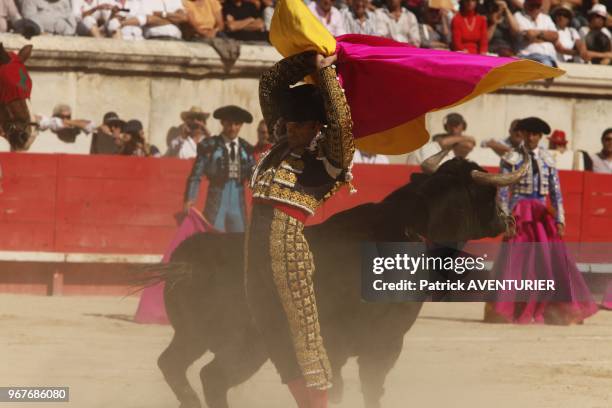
{"x":155,"y":80}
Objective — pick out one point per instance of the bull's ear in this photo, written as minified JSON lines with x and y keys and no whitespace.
{"x":25,"y":52}
{"x":4,"y":57}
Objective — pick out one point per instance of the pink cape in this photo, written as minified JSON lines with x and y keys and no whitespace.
{"x":151,"y":308}
{"x":606,"y":303}
{"x":546,"y":258}
{"x":390,"y":86}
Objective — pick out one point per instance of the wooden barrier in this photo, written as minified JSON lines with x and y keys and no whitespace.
{"x":94,"y":211}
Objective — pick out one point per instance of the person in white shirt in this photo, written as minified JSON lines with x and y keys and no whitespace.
{"x":538,"y":34}
{"x":328,"y":15}
{"x":362,"y":157}
{"x":62,"y":124}
{"x":599,"y":13}
{"x":163,"y":19}
{"x":596,"y":36}
{"x":506,"y":145}
{"x":184,"y":139}
{"x":92,"y":16}
{"x":127,"y":20}
{"x":602,"y":161}
{"x":358,"y":19}
{"x":188,"y":149}
{"x":570,"y":47}
{"x":396,"y":22}
{"x":454,"y":139}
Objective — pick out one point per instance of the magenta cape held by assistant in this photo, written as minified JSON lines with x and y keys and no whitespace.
{"x":390,"y":86}
{"x":151,"y":308}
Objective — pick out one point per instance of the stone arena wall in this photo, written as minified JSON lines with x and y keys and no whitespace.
{"x":155,"y":80}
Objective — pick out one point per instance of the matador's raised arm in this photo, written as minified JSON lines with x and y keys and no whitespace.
{"x":275,"y":81}
{"x":338,"y":143}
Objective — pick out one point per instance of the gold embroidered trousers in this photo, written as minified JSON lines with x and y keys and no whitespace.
{"x":280,"y":292}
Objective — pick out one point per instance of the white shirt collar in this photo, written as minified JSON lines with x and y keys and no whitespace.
{"x":228,"y":146}
{"x":228,"y":141}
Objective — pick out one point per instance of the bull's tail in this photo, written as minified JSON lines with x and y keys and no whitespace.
{"x":151,"y":275}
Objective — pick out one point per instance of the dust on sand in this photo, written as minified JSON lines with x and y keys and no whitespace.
{"x":450,"y":359}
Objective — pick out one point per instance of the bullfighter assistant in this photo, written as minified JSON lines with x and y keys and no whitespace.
{"x":310,"y":161}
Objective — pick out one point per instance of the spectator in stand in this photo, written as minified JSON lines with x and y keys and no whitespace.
{"x":469,"y":29}
{"x":358,"y":19}
{"x":329,"y":15}
{"x":416,"y":7}
{"x":453,"y":139}
{"x":602,"y":161}
{"x":184,"y":139}
{"x":514,"y":139}
{"x":134,"y":143}
{"x":582,"y":11}
{"x":502,"y":26}
{"x":92,"y":16}
{"x":205,"y":18}
{"x":264,"y":142}
{"x":127,"y":20}
{"x":340,"y":4}
{"x":395,"y":21}
{"x":538,"y":34}
{"x":108,"y":139}
{"x":461,"y":145}
{"x":164,"y":19}
{"x":362,"y":157}
{"x":243,"y":21}
{"x":267,"y":13}
{"x":557,"y":146}
{"x":435,"y":31}
{"x":10,"y":18}
{"x":569,"y":45}
{"x":51,"y":16}
{"x":573,"y":5}
{"x":9,"y":15}
{"x":62,"y":124}
{"x":597,"y":37}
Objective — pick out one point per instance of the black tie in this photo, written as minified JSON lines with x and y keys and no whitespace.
{"x":233,"y":151}
{"x":534,"y":164}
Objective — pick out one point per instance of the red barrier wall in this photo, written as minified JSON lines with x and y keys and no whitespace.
{"x":110,"y":204}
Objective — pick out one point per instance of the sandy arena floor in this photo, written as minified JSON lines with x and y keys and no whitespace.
{"x":450,"y":359}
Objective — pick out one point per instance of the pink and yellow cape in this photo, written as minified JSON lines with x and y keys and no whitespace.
{"x":391,"y":86}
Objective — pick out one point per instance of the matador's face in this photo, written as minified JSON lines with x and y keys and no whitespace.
{"x":300,"y":134}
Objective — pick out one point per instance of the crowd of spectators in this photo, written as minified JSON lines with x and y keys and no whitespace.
{"x":547,"y":31}
{"x":461,"y":145}
{"x":112,"y":136}
{"x":116,"y":136}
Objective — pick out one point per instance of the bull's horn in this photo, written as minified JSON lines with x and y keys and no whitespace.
{"x":502,"y":180}
{"x":431,"y":164}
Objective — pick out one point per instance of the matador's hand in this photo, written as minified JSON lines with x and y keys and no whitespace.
{"x":323,"y":62}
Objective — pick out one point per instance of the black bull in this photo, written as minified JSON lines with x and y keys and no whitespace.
{"x":206,"y":303}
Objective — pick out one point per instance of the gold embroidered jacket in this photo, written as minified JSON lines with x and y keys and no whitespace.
{"x":304,"y":177}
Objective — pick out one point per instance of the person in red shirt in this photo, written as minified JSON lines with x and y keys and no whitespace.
{"x":263,"y":141}
{"x":469,"y":29}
